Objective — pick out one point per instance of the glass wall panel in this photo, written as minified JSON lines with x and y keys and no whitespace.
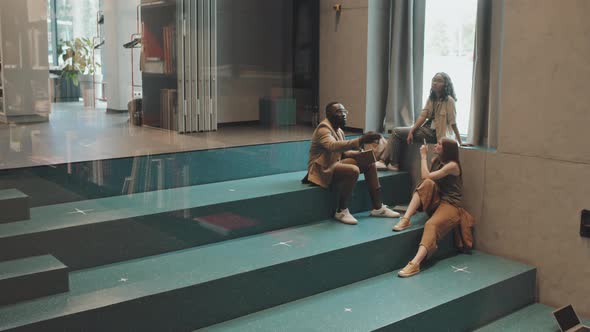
{"x":70,"y":147}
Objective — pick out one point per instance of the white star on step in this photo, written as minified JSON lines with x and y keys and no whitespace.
{"x":347,"y":309}
{"x":460,"y":269}
{"x":81,"y":211}
{"x":286,"y":244}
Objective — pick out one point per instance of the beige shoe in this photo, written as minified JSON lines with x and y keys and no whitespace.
{"x":380,"y":165}
{"x":384,"y":211}
{"x":409,"y":270}
{"x":393,"y":168}
{"x":345,"y":217}
{"x":402,"y":224}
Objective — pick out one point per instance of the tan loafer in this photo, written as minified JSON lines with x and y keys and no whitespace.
{"x":409,"y":270}
{"x":402,"y":224}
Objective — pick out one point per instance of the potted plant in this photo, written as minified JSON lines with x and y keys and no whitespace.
{"x":78,"y":66}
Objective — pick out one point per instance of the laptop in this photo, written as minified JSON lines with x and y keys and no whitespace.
{"x":568,"y":320}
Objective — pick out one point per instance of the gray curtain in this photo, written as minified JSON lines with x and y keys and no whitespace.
{"x":485,"y":98}
{"x":406,"y":62}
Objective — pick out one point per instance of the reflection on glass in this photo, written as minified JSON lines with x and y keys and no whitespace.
{"x":265,"y":72}
{"x":25,"y":94}
{"x":107,"y":187}
{"x":100,"y":164}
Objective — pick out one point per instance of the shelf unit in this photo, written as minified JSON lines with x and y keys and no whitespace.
{"x":157,"y":75}
{"x":197,"y":65}
{"x":179,"y":64}
{"x":159,"y":78}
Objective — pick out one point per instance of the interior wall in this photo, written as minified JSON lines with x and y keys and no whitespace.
{"x":120,"y":23}
{"x":546,"y":59}
{"x":536,"y":184}
{"x":254,"y":45}
{"x":343,"y":57}
{"x":25,"y":67}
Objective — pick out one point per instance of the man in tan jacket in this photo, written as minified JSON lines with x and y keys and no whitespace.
{"x":332,"y":163}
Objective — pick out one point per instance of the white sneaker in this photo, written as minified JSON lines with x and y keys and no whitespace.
{"x":385,"y":212}
{"x":380,"y":165}
{"x":345,"y":217}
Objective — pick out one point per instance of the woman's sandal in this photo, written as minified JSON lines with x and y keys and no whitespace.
{"x":402,"y":224}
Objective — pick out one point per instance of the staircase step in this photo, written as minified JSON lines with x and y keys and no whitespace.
{"x":105,"y":178}
{"x":202,"y":286}
{"x":103,"y":231}
{"x":14,"y":206}
{"x":439,"y":298}
{"x":533,"y":318}
{"x":30,"y":278}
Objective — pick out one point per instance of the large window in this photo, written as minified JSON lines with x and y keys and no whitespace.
{"x":449,"y":47}
{"x":68,"y":19}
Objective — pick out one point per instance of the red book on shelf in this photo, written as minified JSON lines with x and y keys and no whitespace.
{"x":151,"y":46}
{"x":169,"y":49}
{"x":166,"y":46}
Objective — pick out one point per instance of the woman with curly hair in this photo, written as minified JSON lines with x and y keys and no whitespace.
{"x":437,"y":120}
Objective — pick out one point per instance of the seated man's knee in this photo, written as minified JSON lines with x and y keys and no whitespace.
{"x":355,"y":171}
{"x":348,"y":171}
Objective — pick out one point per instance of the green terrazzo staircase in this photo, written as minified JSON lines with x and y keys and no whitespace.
{"x":102,"y":231}
{"x":438,"y":299}
{"x":249,"y":250}
{"x":33,"y":277}
{"x":14,"y":206}
{"x":210,"y":284}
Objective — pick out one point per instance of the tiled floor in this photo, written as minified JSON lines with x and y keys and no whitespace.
{"x":78,"y":134}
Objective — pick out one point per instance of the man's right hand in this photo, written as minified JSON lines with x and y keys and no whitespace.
{"x":370,"y":137}
{"x":410,"y":138}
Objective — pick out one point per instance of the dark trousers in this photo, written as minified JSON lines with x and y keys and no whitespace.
{"x":399,"y":138}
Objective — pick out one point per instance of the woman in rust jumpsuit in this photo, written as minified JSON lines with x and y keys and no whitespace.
{"x":439,"y":195}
